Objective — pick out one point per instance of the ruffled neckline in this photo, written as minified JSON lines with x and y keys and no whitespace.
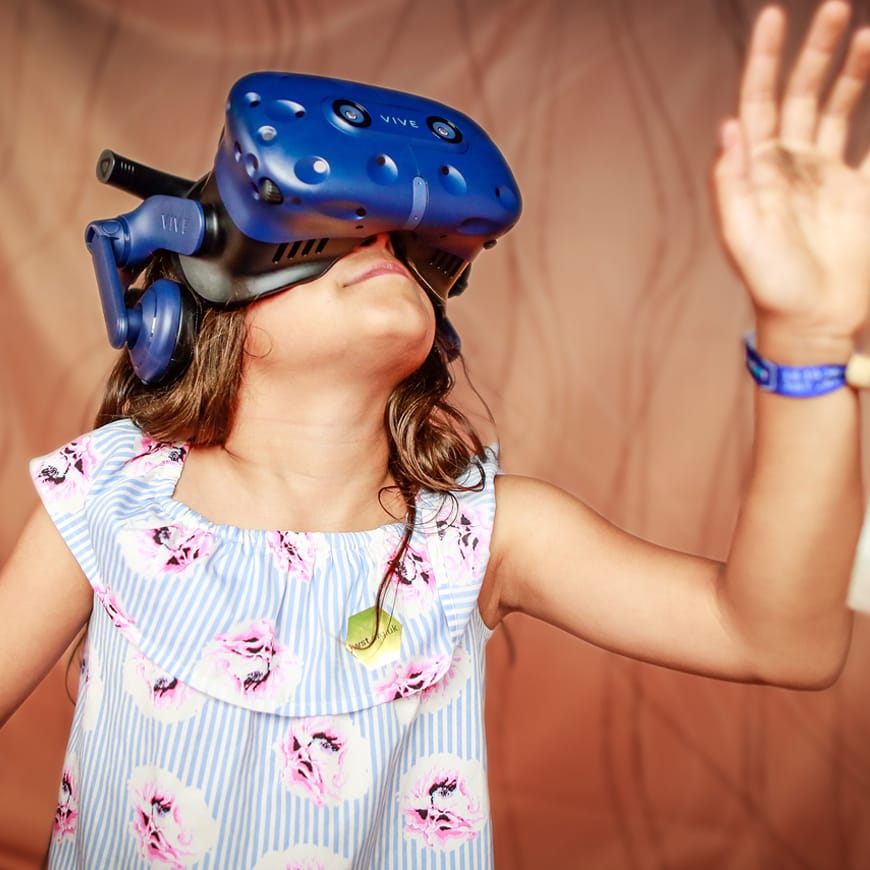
{"x":171,"y":459}
{"x":257,"y":618}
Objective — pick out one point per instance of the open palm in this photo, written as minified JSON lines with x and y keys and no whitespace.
{"x":795,"y":216}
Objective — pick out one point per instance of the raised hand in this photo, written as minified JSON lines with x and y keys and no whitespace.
{"x":795,"y":216}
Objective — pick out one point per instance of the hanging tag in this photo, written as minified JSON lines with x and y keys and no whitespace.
{"x":360,"y":629}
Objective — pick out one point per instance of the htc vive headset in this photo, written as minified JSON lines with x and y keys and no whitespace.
{"x":306,"y":169}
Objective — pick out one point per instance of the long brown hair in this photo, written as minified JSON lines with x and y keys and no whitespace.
{"x":431,"y":442}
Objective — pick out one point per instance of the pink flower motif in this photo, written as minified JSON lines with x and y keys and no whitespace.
{"x":67,"y":802}
{"x":446,"y":803}
{"x":64,"y":477}
{"x":154,"y":455}
{"x":294,"y":553}
{"x":400,"y":689}
{"x":448,"y":686}
{"x":415,"y":579}
{"x":126,"y":624}
{"x":172,"y":822}
{"x":165,"y":690}
{"x":313,"y":756}
{"x":255,"y":649}
{"x":249,"y":663}
{"x":166,"y":549}
{"x":466,"y":542}
{"x":324,"y":758}
{"x":411,"y":678}
{"x":157,"y":693}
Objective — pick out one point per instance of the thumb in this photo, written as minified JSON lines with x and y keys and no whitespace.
{"x":734,"y":201}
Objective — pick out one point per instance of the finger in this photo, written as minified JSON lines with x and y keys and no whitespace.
{"x":736,"y":207}
{"x":833,"y":133}
{"x":758,"y":106}
{"x":800,"y":105}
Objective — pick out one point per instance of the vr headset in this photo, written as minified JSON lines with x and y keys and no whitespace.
{"x":306,"y":169}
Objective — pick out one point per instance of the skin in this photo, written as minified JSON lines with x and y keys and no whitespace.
{"x":308,"y":450}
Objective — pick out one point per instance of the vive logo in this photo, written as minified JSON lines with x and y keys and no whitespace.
{"x":396,"y":121}
{"x":171,"y":223}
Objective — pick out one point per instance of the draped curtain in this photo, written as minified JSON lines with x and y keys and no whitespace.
{"x":604,"y":333}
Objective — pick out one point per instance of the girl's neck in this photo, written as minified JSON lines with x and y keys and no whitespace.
{"x":314,"y":462}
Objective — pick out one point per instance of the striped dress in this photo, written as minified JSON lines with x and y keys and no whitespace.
{"x":231,"y":714}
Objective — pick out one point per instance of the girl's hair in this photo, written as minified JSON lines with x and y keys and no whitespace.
{"x":431,"y":442}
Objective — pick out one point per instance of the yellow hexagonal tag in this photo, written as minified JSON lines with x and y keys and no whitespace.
{"x":386,"y":645}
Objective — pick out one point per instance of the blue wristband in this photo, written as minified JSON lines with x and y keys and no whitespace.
{"x":799,"y":382}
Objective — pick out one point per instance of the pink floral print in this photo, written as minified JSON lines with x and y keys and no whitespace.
{"x":444,"y":801}
{"x":171,"y":822}
{"x":155,"y":459}
{"x":411,"y":677}
{"x":437,"y":694}
{"x":67,"y":811}
{"x":293,"y":552}
{"x":466,"y":541}
{"x":248,"y":665}
{"x":415,"y":581}
{"x":124,"y":623}
{"x":158,"y":694}
{"x":449,"y":686}
{"x":324,"y":758}
{"x":64,"y":477}
{"x":168,"y":548}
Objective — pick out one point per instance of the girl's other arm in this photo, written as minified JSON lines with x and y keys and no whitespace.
{"x":795,"y":220}
{"x":774,"y":613}
{"x":45,"y":600}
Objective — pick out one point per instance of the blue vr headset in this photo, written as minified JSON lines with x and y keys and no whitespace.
{"x":306,"y":169}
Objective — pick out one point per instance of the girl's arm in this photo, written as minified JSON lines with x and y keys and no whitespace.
{"x":796,"y":222}
{"x":45,"y":600}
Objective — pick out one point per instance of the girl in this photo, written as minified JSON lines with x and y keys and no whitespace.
{"x":241,"y":704}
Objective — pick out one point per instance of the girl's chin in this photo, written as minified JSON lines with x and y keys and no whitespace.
{"x":402,"y":341}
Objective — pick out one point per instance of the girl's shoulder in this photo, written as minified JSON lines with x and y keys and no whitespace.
{"x":67,"y":475}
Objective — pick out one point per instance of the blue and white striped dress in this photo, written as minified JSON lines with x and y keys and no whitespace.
{"x":222,"y":721}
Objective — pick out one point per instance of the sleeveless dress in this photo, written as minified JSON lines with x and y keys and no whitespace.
{"x":223,"y":721}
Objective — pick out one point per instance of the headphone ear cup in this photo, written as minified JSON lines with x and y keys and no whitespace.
{"x":163,"y":347}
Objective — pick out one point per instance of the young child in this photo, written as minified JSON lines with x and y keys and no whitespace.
{"x":226,"y":537}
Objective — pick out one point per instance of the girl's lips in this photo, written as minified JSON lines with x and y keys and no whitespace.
{"x":382,"y":267}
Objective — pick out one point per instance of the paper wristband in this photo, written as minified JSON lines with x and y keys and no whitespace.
{"x":799,"y":382}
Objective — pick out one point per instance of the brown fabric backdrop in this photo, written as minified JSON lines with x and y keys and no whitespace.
{"x":604,"y":332}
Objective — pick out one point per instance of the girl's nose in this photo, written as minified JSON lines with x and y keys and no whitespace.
{"x":382,"y":240}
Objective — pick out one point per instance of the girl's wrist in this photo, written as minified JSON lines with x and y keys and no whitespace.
{"x":793,"y":345}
